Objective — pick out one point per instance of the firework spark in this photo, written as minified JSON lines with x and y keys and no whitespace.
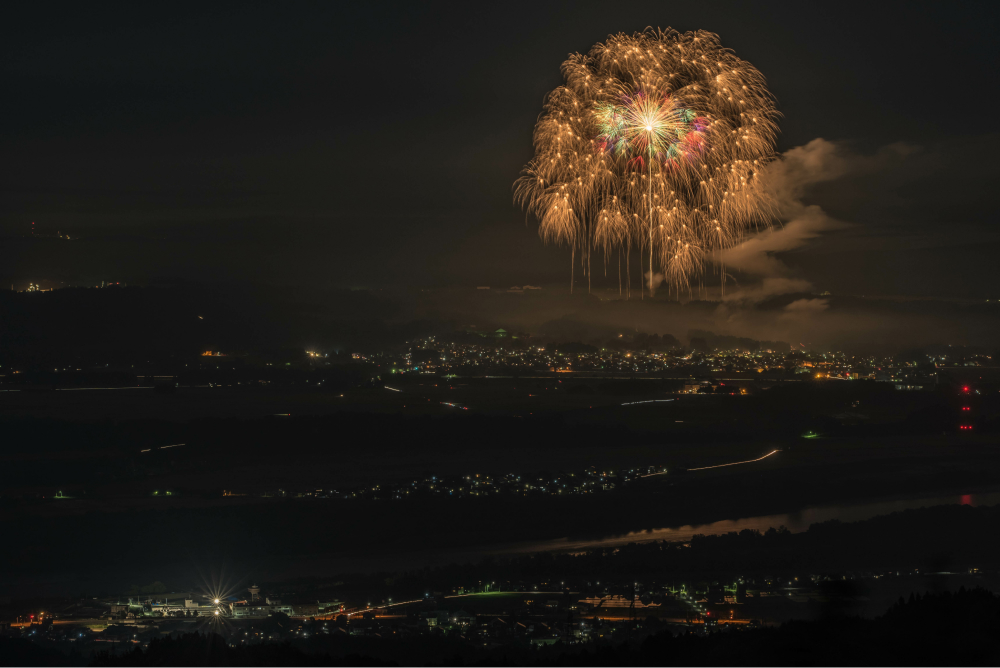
{"x":656,"y":143}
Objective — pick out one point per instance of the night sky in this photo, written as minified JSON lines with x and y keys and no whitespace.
{"x":367,"y":144}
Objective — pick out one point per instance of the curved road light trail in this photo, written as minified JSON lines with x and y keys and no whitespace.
{"x":716,"y":466}
{"x":749,"y":461}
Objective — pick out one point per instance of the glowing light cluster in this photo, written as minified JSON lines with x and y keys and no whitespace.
{"x":657,"y":143}
{"x":644,"y":128}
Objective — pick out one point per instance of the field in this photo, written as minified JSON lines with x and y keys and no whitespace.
{"x":101,"y":482}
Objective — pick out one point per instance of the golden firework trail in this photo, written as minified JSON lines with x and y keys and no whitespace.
{"x":656,"y":143}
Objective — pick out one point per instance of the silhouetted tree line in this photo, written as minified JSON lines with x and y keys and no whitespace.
{"x":195,"y":649}
{"x":705,"y":340}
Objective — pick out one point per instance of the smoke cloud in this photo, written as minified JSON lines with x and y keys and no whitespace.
{"x":790,"y":177}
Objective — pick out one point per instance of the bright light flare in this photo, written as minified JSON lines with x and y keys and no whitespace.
{"x":646,"y":128}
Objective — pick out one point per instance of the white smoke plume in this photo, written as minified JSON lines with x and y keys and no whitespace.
{"x":819,"y":160}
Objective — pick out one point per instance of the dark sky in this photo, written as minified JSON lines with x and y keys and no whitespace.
{"x":365,"y":144}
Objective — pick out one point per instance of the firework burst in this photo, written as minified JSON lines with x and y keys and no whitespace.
{"x":656,"y":143}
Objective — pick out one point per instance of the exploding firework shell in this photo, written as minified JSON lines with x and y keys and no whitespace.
{"x":657,"y":142}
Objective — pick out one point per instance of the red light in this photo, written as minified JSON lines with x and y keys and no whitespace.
{"x":965,"y":389}
{"x":32,"y":616}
